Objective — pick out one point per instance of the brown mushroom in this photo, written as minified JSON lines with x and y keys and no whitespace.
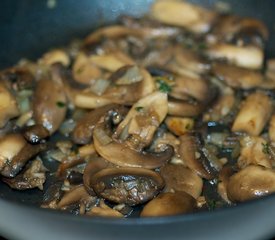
{"x":178,"y":125}
{"x":36,"y":134}
{"x":271,"y":129}
{"x":14,"y":166}
{"x":104,"y":211}
{"x":194,"y":155}
{"x":250,"y":57}
{"x":50,"y":102}
{"x":224,"y":176}
{"x":118,"y":152}
{"x":251,"y":182}
{"x":183,"y":14}
{"x":237,"y":77}
{"x":254,"y":113}
{"x":253,"y":152}
{"x":180,"y":178}
{"x":82,"y":133}
{"x":131,"y":186}
{"x":182,"y":108}
{"x":34,"y":176}
{"x":73,"y":196}
{"x":55,"y":56}
{"x":167,"y":204}
{"x":8,"y":106}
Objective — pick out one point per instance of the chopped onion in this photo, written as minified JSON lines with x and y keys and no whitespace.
{"x":100,"y":86}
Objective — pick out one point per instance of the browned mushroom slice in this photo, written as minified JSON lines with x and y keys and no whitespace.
{"x":248,"y":56}
{"x":182,"y":108}
{"x":55,"y":56}
{"x":73,"y":196}
{"x":36,"y":134}
{"x":8,"y":106}
{"x":104,"y":211}
{"x":178,"y":125}
{"x":14,"y":166}
{"x":251,"y":182}
{"x":49,"y":103}
{"x":194,"y":155}
{"x":84,"y":70}
{"x":10,"y":146}
{"x":34,"y":176}
{"x":110,"y":32}
{"x":191,"y":87}
{"x":82,"y":133}
{"x":167,"y":204}
{"x":190,"y":60}
{"x":183,"y":14}
{"x":180,"y":178}
{"x":144,"y":118}
{"x":224,"y":176}
{"x":119,"y":93}
{"x":237,"y":77}
{"x":131,"y":186}
{"x":253,"y":151}
{"x":254,"y":114}
{"x":229,"y":27}
{"x":92,"y":167}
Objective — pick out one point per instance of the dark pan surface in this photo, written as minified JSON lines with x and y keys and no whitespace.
{"x":29,"y":28}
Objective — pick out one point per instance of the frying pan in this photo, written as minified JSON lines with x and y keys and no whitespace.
{"x":27,"y":29}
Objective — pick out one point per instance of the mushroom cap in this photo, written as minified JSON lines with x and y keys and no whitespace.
{"x":169,"y":203}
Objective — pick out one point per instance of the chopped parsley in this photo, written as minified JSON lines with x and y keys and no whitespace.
{"x":265,"y":149}
{"x":139,"y":109}
{"x":60,"y":104}
{"x":163,"y":86}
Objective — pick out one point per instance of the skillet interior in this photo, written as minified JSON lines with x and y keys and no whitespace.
{"x":29,"y":28}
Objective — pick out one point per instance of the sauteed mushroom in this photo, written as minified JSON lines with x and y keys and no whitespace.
{"x":127,"y":185}
{"x":152,"y":116}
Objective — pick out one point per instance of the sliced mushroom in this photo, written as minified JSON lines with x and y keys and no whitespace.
{"x":50,"y":103}
{"x":237,"y":77}
{"x":119,"y":153}
{"x":8,"y":106}
{"x":55,"y":56}
{"x":230,"y":27}
{"x":248,"y":56}
{"x":167,"y":204}
{"x":104,"y":211}
{"x":34,"y":176}
{"x":92,"y":167}
{"x":112,"y":61}
{"x":73,"y":196}
{"x":254,"y":114}
{"x":224,"y":176}
{"x":178,"y":125}
{"x":182,"y":108}
{"x":180,"y":178}
{"x":193,"y":155}
{"x":10,"y":146}
{"x":183,"y":14}
{"x":36,"y":134}
{"x":84,"y":70}
{"x":110,"y":32}
{"x":192,"y":87}
{"x":251,"y":182}
{"x":13,"y":167}
{"x":82,"y":133}
{"x":253,"y":152}
{"x":131,"y":186}
{"x":144,"y":118}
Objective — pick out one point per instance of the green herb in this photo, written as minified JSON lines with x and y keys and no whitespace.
{"x":80,"y":70}
{"x":139,"y":109}
{"x":265,"y":149}
{"x":202,"y":46}
{"x":60,"y":104}
{"x":163,"y":86}
{"x":188,"y":126}
{"x":211,"y":204}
